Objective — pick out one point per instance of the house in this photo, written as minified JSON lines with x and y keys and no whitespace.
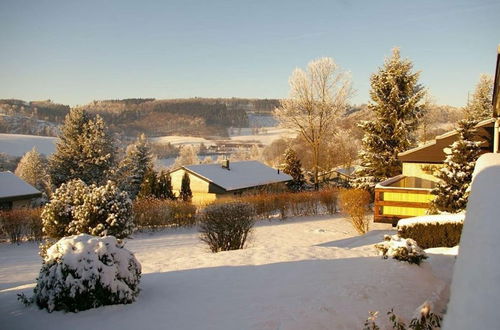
{"x":212,"y":181}
{"x":409,"y":194}
{"x":15,"y":192}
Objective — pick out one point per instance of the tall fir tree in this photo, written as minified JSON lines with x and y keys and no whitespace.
{"x":32,"y":168}
{"x":397,"y":103}
{"x":134,"y":167}
{"x":85,"y":150}
{"x":293,"y":167}
{"x":480,"y":107}
{"x":186,"y":194}
{"x":452,"y":191}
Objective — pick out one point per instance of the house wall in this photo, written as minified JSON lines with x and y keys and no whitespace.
{"x":203,"y":191}
{"x":419,"y":170}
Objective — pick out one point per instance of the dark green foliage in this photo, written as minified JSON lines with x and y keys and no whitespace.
{"x":186,"y":193}
{"x":293,"y":167}
{"x":226,"y":227}
{"x":164,"y":186}
{"x":433,"y":234}
{"x":452,"y":191}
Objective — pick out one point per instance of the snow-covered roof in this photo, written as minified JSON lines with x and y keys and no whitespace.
{"x":240,"y":175}
{"x":11,"y":186}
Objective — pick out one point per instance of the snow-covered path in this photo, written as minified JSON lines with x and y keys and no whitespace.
{"x":303,"y":273}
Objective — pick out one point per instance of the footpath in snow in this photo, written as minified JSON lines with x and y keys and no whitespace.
{"x":302,"y":273}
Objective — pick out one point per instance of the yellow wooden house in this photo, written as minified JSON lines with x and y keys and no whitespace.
{"x":209,"y":182}
{"x":409,"y":194}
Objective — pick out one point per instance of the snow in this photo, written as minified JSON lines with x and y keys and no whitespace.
{"x":266,"y":136}
{"x":432,"y":219}
{"x":302,"y":273}
{"x":181,"y":140}
{"x":13,"y":186}
{"x":240,"y":174}
{"x":475,"y":288}
{"x":18,"y":144}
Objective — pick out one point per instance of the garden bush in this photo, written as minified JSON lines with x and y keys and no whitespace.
{"x":20,"y":224}
{"x":355,"y":203}
{"x":152,"y":213}
{"x":328,"y":198}
{"x":402,"y":249}
{"x":445,"y":231}
{"x":82,"y":272}
{"x":424,"y":319}
{"x":76,"y":208}
{"x":226,"y":227}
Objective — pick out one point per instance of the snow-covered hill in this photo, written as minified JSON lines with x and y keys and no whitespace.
{"x":303,"y":273}
{"x":19,"y":144}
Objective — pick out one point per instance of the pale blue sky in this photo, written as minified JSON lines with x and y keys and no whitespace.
{"x":74,"y":52}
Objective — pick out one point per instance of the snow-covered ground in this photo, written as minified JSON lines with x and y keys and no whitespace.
{"x":302,"y":273}
{"x":266,"y":135}
{"x":19,"y":144}
{"x":181,"y":140}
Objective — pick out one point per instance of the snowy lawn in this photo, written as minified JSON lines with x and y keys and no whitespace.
{"x":303,"y":273}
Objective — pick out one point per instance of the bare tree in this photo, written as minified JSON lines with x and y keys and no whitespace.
{"x":317,"y":97}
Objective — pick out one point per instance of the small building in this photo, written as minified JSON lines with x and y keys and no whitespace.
{"x":409,"y":194}
{"x":212,"y":181}
{"x":15,"y":192}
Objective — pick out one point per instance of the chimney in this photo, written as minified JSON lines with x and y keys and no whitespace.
{"x":225,"y":164}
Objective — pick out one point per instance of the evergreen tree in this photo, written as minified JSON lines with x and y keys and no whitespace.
{"x":397,"y":105}
{"x":134,"y":167}
{"x":32,"y":169}
{"x":186,"y":193}
{"x":149,"y":185}
{"x":293,"y":167}
{"x":481,"y":107}
{"x":85,"y":150}
{"x":456,"y":175}
{"x":164,"y":187}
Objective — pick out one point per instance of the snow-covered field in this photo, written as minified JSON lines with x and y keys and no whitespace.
{"x":303,"y":273}
{"x":266,"y":135}
{"x":19,"y":144}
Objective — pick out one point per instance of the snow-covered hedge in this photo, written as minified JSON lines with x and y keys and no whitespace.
{"x":430,"y":231}
{"x":76,"y":208}
{"x":82,"y":271}
{"x":402,"y":249}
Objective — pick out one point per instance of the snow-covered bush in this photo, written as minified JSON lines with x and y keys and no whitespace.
{"x":430,"y":231}
{"x":402,"y":249}
{"x":355,"y":203}
{"x":76,"y":208}
{"x":226,"y":227}
{"x":82,"y":271}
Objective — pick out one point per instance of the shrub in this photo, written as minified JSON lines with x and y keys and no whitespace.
{"x":328,"y":198}
{"x":82,"y":272}
{"x":424,"y":319}
{"x":19,"y":224}
{"x":76,"y":208}
{"x":151,"y":213}
{"x":444,"y":232}
{"x":355,"y":203}
{"x":226,"y":227}
{"x":402,"y":249}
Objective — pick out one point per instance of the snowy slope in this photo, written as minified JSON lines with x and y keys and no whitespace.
{"x":304,"y":273}
{"x":475,"y":289}
{"x":19,"y":144}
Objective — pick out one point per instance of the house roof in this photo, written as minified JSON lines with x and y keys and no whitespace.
{"x":13,"y":188}
{"x":240,"y":175}
{"x":432,"y":151}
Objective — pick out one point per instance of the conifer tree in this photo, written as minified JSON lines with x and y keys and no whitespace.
{"x":456,"y":175}
{"x":85,"y":150}
{"x":293,"y":167}
{"x":481,"y":107}
{"x":164,"y":187}
{"x":134,"y":167}
{"x":185,"y":194}
{"x":397,"y":105}
{"x":32,"y":169}
{"x":149,"y":185}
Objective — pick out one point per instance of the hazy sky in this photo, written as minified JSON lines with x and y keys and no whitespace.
{"x":74,"y":52}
